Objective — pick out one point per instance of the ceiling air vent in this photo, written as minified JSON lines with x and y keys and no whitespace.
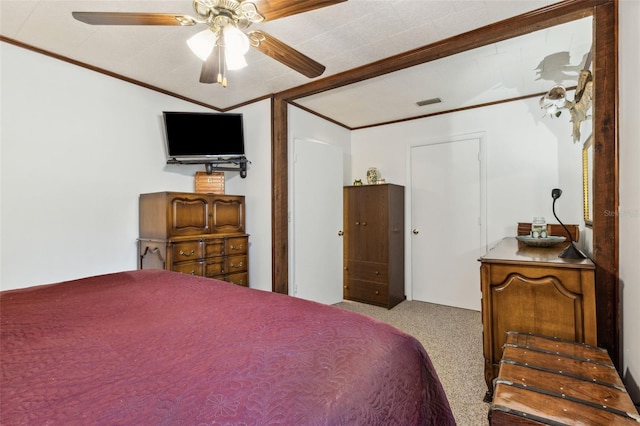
{"x":429,"y":101}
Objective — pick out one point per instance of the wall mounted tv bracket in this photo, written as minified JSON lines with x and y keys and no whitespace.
{"x":226,"y":164}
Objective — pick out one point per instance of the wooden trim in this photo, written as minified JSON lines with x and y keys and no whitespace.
{"x":279,"y":197}
{"x":606,"y":178}
{"x":324,"y":117}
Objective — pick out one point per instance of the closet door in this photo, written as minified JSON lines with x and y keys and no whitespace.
{"x":446,"y":224}
{"x":317,"y":222}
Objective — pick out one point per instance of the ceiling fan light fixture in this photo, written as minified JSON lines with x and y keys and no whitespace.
{"x":202,"y":43}
{"x":234,"y":60}
{"x":235,"y":40}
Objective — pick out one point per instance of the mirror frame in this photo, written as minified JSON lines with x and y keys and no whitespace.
{"x":605,"y":139}
{"x":587,"y":181}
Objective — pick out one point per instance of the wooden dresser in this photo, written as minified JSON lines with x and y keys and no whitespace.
{"x":198,"y":234}
{"x":532,"y":290}
{"x":374,"y":244}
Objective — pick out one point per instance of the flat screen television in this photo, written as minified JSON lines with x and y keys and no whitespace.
{"x":203,"y":135}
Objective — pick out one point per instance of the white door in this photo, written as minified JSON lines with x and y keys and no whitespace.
{"x":446,"y":238}
{"x":317,"y":220}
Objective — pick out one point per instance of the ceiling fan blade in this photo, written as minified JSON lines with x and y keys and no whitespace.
{"x":126,"y":18}
{"x":210,"y":69}
{"x":271,"y":46}
{"x":274,"y":9}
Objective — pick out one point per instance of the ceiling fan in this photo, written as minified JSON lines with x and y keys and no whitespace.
{"x":223,"y":44}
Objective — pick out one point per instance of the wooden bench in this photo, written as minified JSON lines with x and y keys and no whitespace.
{"x":548,"y":381}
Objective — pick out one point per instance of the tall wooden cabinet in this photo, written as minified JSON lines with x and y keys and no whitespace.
{"x":532,"y":290}
{"x":374,"y":244}
{"x":198,"y":234}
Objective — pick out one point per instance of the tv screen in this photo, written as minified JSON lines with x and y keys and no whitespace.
{"x":203,"y":135}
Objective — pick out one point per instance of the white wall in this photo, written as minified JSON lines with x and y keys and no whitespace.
{"x":256,"y":188}
{"x":77,"y":148}
{"x":527,"y":156}
{"x":629,"y":66}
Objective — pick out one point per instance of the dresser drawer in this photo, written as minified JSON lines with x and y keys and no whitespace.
{"x":187,"y":250}
{"x":366,"y":291}
{"x":366,"y":271}
{"x":236,"y":264}
{"x":237,"y":245}
{"x":241,"y":278}
{"x":214,"y":247}
{"x":191,"y":268}
{"x":215,"y":267}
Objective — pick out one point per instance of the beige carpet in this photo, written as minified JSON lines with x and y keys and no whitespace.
{"x":453,"y":340}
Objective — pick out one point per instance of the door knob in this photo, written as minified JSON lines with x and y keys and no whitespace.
{"x":415,"y":231}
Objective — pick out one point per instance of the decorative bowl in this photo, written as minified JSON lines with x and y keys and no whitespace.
{"x":540,"y":242}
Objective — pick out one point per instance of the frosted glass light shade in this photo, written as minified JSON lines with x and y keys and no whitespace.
{"x":202,"y":43}
{"x":235,"y":40}
{"x":234,"y":60}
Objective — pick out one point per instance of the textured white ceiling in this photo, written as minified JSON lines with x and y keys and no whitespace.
{"x":509,"y":69}
{"x":341,"y":37}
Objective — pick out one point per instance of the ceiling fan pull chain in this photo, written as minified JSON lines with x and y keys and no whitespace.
{"x":222,"y":63}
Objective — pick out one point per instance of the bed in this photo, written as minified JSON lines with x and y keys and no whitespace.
{"x":159,"y":347}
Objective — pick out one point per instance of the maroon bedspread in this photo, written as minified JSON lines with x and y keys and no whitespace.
{"x":157,"y":347}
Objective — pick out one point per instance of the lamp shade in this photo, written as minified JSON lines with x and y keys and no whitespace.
{"x":202,"y":43}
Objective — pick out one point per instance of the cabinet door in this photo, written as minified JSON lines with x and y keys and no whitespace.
{"x":366,"y":227}
{"x":228,"y":214}
{"x":189,"y":215}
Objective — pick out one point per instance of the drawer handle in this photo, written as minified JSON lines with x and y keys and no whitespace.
{"x":239,"y":265}
{"x":377,"y":272}
{"x":240,"y":247}
{"x":193,"y":272}
{"x":364,"y":223}
{"x":357,"y":223}
{"x":183,"y":253}
{"x":346,"y":287}
{"x":377,"y":292}
{"x":346,"y":268}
